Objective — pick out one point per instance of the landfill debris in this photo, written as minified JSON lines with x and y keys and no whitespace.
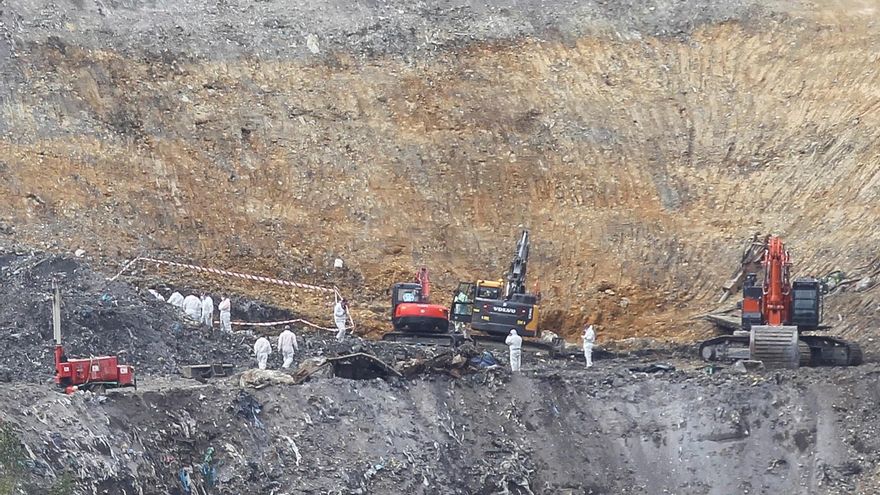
{"x":259,"y":379}
{"x":653,"y":368}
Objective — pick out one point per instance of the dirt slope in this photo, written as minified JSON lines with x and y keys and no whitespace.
{"x":640,"y":141}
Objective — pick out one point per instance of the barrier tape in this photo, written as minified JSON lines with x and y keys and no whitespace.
{"x":217,"y":271}
{"x":282,"y":322}
{"x":258,"y":278}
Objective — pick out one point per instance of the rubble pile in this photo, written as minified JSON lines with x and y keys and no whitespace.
{"x":97,"y":318}
{"x":553,"y":429}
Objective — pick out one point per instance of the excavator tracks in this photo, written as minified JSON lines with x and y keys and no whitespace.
{"x":812,"y":350}
{"x":832,"y":351}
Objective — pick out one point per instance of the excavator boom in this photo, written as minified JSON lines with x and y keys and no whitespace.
{"x":424,"y":280}
{"x":516,"y":276}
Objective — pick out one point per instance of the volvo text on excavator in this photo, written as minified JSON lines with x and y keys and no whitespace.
{"x":775,"y":316}
{"x":496,"y":307}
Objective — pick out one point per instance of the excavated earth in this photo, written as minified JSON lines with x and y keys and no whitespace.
{"x":555,"y":428}
{"x":642,"y":142}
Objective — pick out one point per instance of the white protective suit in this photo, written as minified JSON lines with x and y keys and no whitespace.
{"x":262,"y":348}
{"x":287,"y":344}
{"x":515,"y":342}
{"x":192,"y":306}
{"x":225,"y":315}
{"x":589,"y":340}
{"x":176,"y":299}
{"x":208,"y":312}
{"x":340,"y":317}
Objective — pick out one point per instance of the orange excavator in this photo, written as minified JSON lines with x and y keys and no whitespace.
{"x":411,"y":310}
{"x":775,"y":316}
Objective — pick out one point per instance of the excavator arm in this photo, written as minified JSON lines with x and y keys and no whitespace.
{"x":516,"y":277}
{"x":424,"y":280}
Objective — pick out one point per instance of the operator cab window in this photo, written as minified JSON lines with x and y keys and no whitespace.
{"x":408,"y":295}
{"x":489,"y":293}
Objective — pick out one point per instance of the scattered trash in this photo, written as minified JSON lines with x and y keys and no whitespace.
{"x":356,"y":366}
{"x":258,"y":379}
{"x":209,"y":472}
{"x":746,"y":366}
{"x":375,"y":468}
{"x":485,"y":360}
{"x":248,"y":408}
{"x":185,"y":481}
{"x":653,"y":368}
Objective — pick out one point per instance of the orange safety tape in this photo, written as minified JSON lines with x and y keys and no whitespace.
{"x":282,"y":322}
{"x":259,"y":278}
{"x":217,"y":271}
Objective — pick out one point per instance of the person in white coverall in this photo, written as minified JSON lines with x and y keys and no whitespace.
{"x":225,"y":315}
{"x":207,"y":311}
{"x":589,"y":339}
{"x":340,"y":317}
{"x":262,"y":348}
{"x":514,"y":341}
{"x":287,"y":344}
{"x":192,"y":306}
{"x":460,"y":326}
{"x":176,"y":299}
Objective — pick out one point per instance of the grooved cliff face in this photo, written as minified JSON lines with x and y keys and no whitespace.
{"x":641,"y":142}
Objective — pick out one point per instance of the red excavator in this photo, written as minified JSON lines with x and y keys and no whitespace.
{"x":411,"y":310}
{"x":775,"y":316}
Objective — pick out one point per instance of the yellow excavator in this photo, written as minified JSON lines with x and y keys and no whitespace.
{"x":497,"y":306}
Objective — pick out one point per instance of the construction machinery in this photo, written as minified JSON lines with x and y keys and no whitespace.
{"x":94,"y":373}
{"x":496,"y":307}
{"x":413,"y":317}
{"x":774,"y":318}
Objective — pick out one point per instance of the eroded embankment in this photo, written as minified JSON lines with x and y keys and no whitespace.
{"x":553,"y":430}
{"x":641,"y":143}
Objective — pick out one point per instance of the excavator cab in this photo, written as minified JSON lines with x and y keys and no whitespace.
{"x":806,"y":307}
{"x":463,"y":303}
{"x":489,"y":289}
{"x":405,"y":293}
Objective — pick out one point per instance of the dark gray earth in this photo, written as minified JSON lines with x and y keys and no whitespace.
{"x":555,"y":428}
{"x":271,"y":29}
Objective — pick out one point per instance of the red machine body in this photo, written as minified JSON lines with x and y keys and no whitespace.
{"x":411,"y":309}
{"x":94,"y":372}
{"x":776,"y":314}
{"x":102,"y":370}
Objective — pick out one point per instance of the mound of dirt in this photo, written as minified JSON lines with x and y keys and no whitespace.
{"x":98,"y":318}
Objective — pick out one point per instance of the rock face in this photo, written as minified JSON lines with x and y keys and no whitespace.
{"x":641,"y":142}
